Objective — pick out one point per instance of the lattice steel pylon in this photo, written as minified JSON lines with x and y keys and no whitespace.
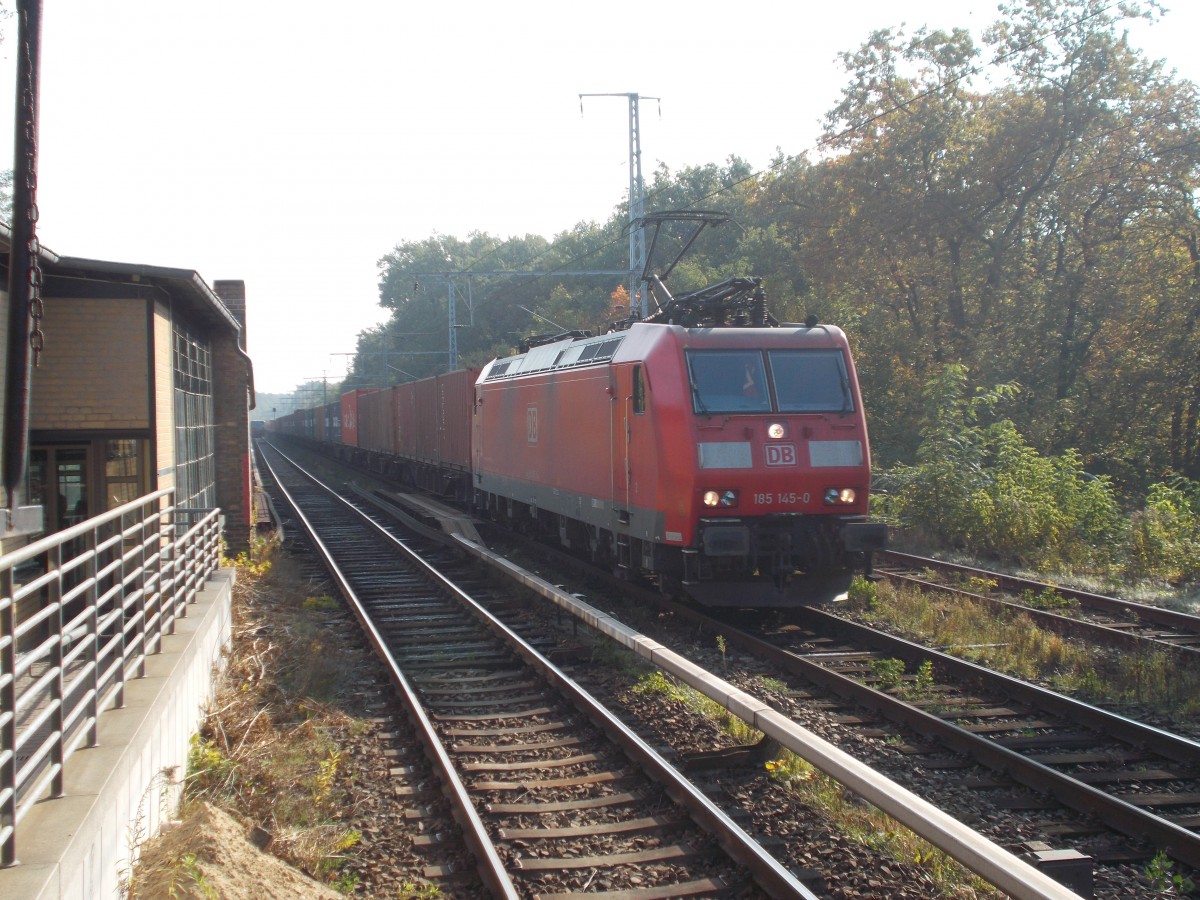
{"x":637,"y":202}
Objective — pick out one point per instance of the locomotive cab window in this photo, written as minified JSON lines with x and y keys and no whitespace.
{"x":639,"y":391}
{"x":811,"y":381}
{"x":726,"y":381}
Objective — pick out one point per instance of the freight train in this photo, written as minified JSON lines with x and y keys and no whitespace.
{"x":708,"y":448}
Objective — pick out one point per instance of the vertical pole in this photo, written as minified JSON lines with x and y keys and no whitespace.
{"x":23,"y":271}
{"x":453,"y":332}
{"x":637,"y":204}
{"x":637,"y":209}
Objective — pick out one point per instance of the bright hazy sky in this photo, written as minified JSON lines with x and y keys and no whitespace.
{"x":293,"y":144}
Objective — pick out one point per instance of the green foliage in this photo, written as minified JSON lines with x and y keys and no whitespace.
{"x":1037,"y":229}
{"x":321,"y":601}
{"x":982,"y":486}
{"x":1164,"y":538}
{"x":922,"y":682}
{"x":889,"y":673}
{"x":208,"y":767}
{"x":417,"y":891}
{"x":1160,"y":872}
{"x":1047,"y":599}
{"x":862,"y":592}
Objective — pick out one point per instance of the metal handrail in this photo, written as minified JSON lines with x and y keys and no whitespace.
{"x":80,"y":611}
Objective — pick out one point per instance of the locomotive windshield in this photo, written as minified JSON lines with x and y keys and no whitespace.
{"x":811,"y":381}
{"x":735,"y":381}
{"x":728,"y":381}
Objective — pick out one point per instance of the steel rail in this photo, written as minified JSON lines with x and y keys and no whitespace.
{"x":490,"y":865}
{"x":767,"y":871}
{"x":1156,"y":614}
{"x":977,"y":853}
{"x":1180,"y":843}
{"x":1060,"y":624}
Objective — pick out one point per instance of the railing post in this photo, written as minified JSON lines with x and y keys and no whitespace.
{"x":91,"y":572}
{"x":55,"y":596}
{"x":8,"y":720}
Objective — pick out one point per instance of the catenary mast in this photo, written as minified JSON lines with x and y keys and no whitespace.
{"x":637,"y":202}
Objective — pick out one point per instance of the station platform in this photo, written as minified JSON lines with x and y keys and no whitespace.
{"x":81,"y":845}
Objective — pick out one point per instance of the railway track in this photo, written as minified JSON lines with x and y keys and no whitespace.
{"x":1048,"y":754}
{"x":1099,"y":619}
{"x":553,"y":796}
{"x":1140,"y":781}
{"x":744,"y":801}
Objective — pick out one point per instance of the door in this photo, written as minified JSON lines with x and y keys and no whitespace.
{"x":58,"y":478}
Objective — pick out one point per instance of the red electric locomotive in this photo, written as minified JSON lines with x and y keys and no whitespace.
{"x":729,"y":462}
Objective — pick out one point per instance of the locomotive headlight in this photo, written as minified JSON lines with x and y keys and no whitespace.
{"x":840,"y":496}
{"x":776,"y":431}
{"x":726,"y":499}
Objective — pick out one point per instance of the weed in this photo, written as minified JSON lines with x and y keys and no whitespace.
{"x":189,"y":869}
{"x":346,"y":882}
{"x":1162,"y":876}
{"x":326,"y":776}
{"x":721,"y":648}
{"x":322,"y":601}
{"x":975,"y":584}
{"x":410,"y":890}
{"x":252,"y":564}
{"x":208,"y":767}
{"x":922,"y":682}
{"x":1015,"y":645}
{"x":1047,"y":599}
{"x":788,"y":768}
{"x":611,"y":655}
{"x":889,"y":673}
{"x":274,"y":750}
{"x":771,"y":685}
{"x":862,"y":592}
{"x":661,"y":684}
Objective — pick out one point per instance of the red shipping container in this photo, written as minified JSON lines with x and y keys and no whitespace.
{"x":376,"y":421}
{"x":350,"y":415}
{"x":455,"y":402}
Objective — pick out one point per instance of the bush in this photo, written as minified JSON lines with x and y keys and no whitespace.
{"x":984,"y":488}
{"x":1164,"y":538}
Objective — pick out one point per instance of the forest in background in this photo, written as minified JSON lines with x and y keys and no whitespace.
{"x":1018,"y":209}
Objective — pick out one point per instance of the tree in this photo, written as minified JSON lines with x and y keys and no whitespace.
{"x":1024,"y":230}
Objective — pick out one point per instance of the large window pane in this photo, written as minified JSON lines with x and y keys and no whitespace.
{"x":195,"y":466}
{"x":811,"y":381}
{"x":728,"y":381}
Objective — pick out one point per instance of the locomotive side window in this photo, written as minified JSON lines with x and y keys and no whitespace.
{"x":728,"y":381}
{"x":639,"y":391}
{"x":811,"y":381}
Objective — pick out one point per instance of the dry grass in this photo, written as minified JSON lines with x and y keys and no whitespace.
{"x":272,"y":748}
{"x":1153,"y":680}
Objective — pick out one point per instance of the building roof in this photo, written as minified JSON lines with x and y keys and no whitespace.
{"x":185,"y":285}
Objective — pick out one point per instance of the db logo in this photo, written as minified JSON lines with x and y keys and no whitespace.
{"x":781,"y":454}
{"x":531,"y":434}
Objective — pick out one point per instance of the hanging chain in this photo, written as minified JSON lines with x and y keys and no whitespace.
{"x":28,"y":113}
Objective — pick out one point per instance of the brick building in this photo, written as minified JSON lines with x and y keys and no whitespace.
{"x":144,"y":383}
